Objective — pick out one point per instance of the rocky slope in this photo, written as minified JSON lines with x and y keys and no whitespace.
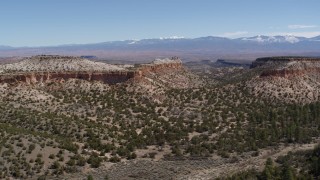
{"x":288,"y":79}
{"x":160,"y":124}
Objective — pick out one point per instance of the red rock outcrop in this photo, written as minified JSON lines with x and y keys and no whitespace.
{"x":108,"y":77}
{"x":287,"y":66}
{"x":44,"y":77}
{"x":174,"y":64}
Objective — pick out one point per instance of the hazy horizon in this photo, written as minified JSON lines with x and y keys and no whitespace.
{"x":163,"y":38}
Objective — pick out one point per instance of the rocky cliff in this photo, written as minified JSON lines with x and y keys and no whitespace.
{"x":45,"y":77}
{"x":44,"y":69}
{"x":287,"y":66}
{"x":160,"y":66}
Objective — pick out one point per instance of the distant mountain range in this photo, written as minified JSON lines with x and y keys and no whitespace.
{"x":189,"y":49}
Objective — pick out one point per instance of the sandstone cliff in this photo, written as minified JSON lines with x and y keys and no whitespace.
{"x":45,"y":77}
{"x":160,"y":66}
{"x":287,"y":66}
{"x":44,"y":69}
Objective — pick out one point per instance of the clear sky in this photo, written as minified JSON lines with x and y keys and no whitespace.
{"x":54,"y":22}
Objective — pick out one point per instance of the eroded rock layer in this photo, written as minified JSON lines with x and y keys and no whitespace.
{"x":287,"y":66}
{"x":113,"y":76}
{"x":44,"y":77}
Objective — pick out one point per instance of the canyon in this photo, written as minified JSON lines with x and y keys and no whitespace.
{"x":64,"y":117}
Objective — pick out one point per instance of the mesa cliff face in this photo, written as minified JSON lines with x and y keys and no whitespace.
{"x":44,"y":69}
{"x":287,"y":66}
{"x":160,"y":66}
{"x":287,"y":79}
{"x":45,"y":77}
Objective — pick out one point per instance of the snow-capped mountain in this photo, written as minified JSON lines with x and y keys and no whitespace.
{"x":261,"y":39}
{"x":209,"y":47}
{"x":317,"y":38}
{"x":274,"y":39}
{"x":172,"y":37}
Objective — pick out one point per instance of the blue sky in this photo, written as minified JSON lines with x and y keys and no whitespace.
{"x":54,"y":22}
